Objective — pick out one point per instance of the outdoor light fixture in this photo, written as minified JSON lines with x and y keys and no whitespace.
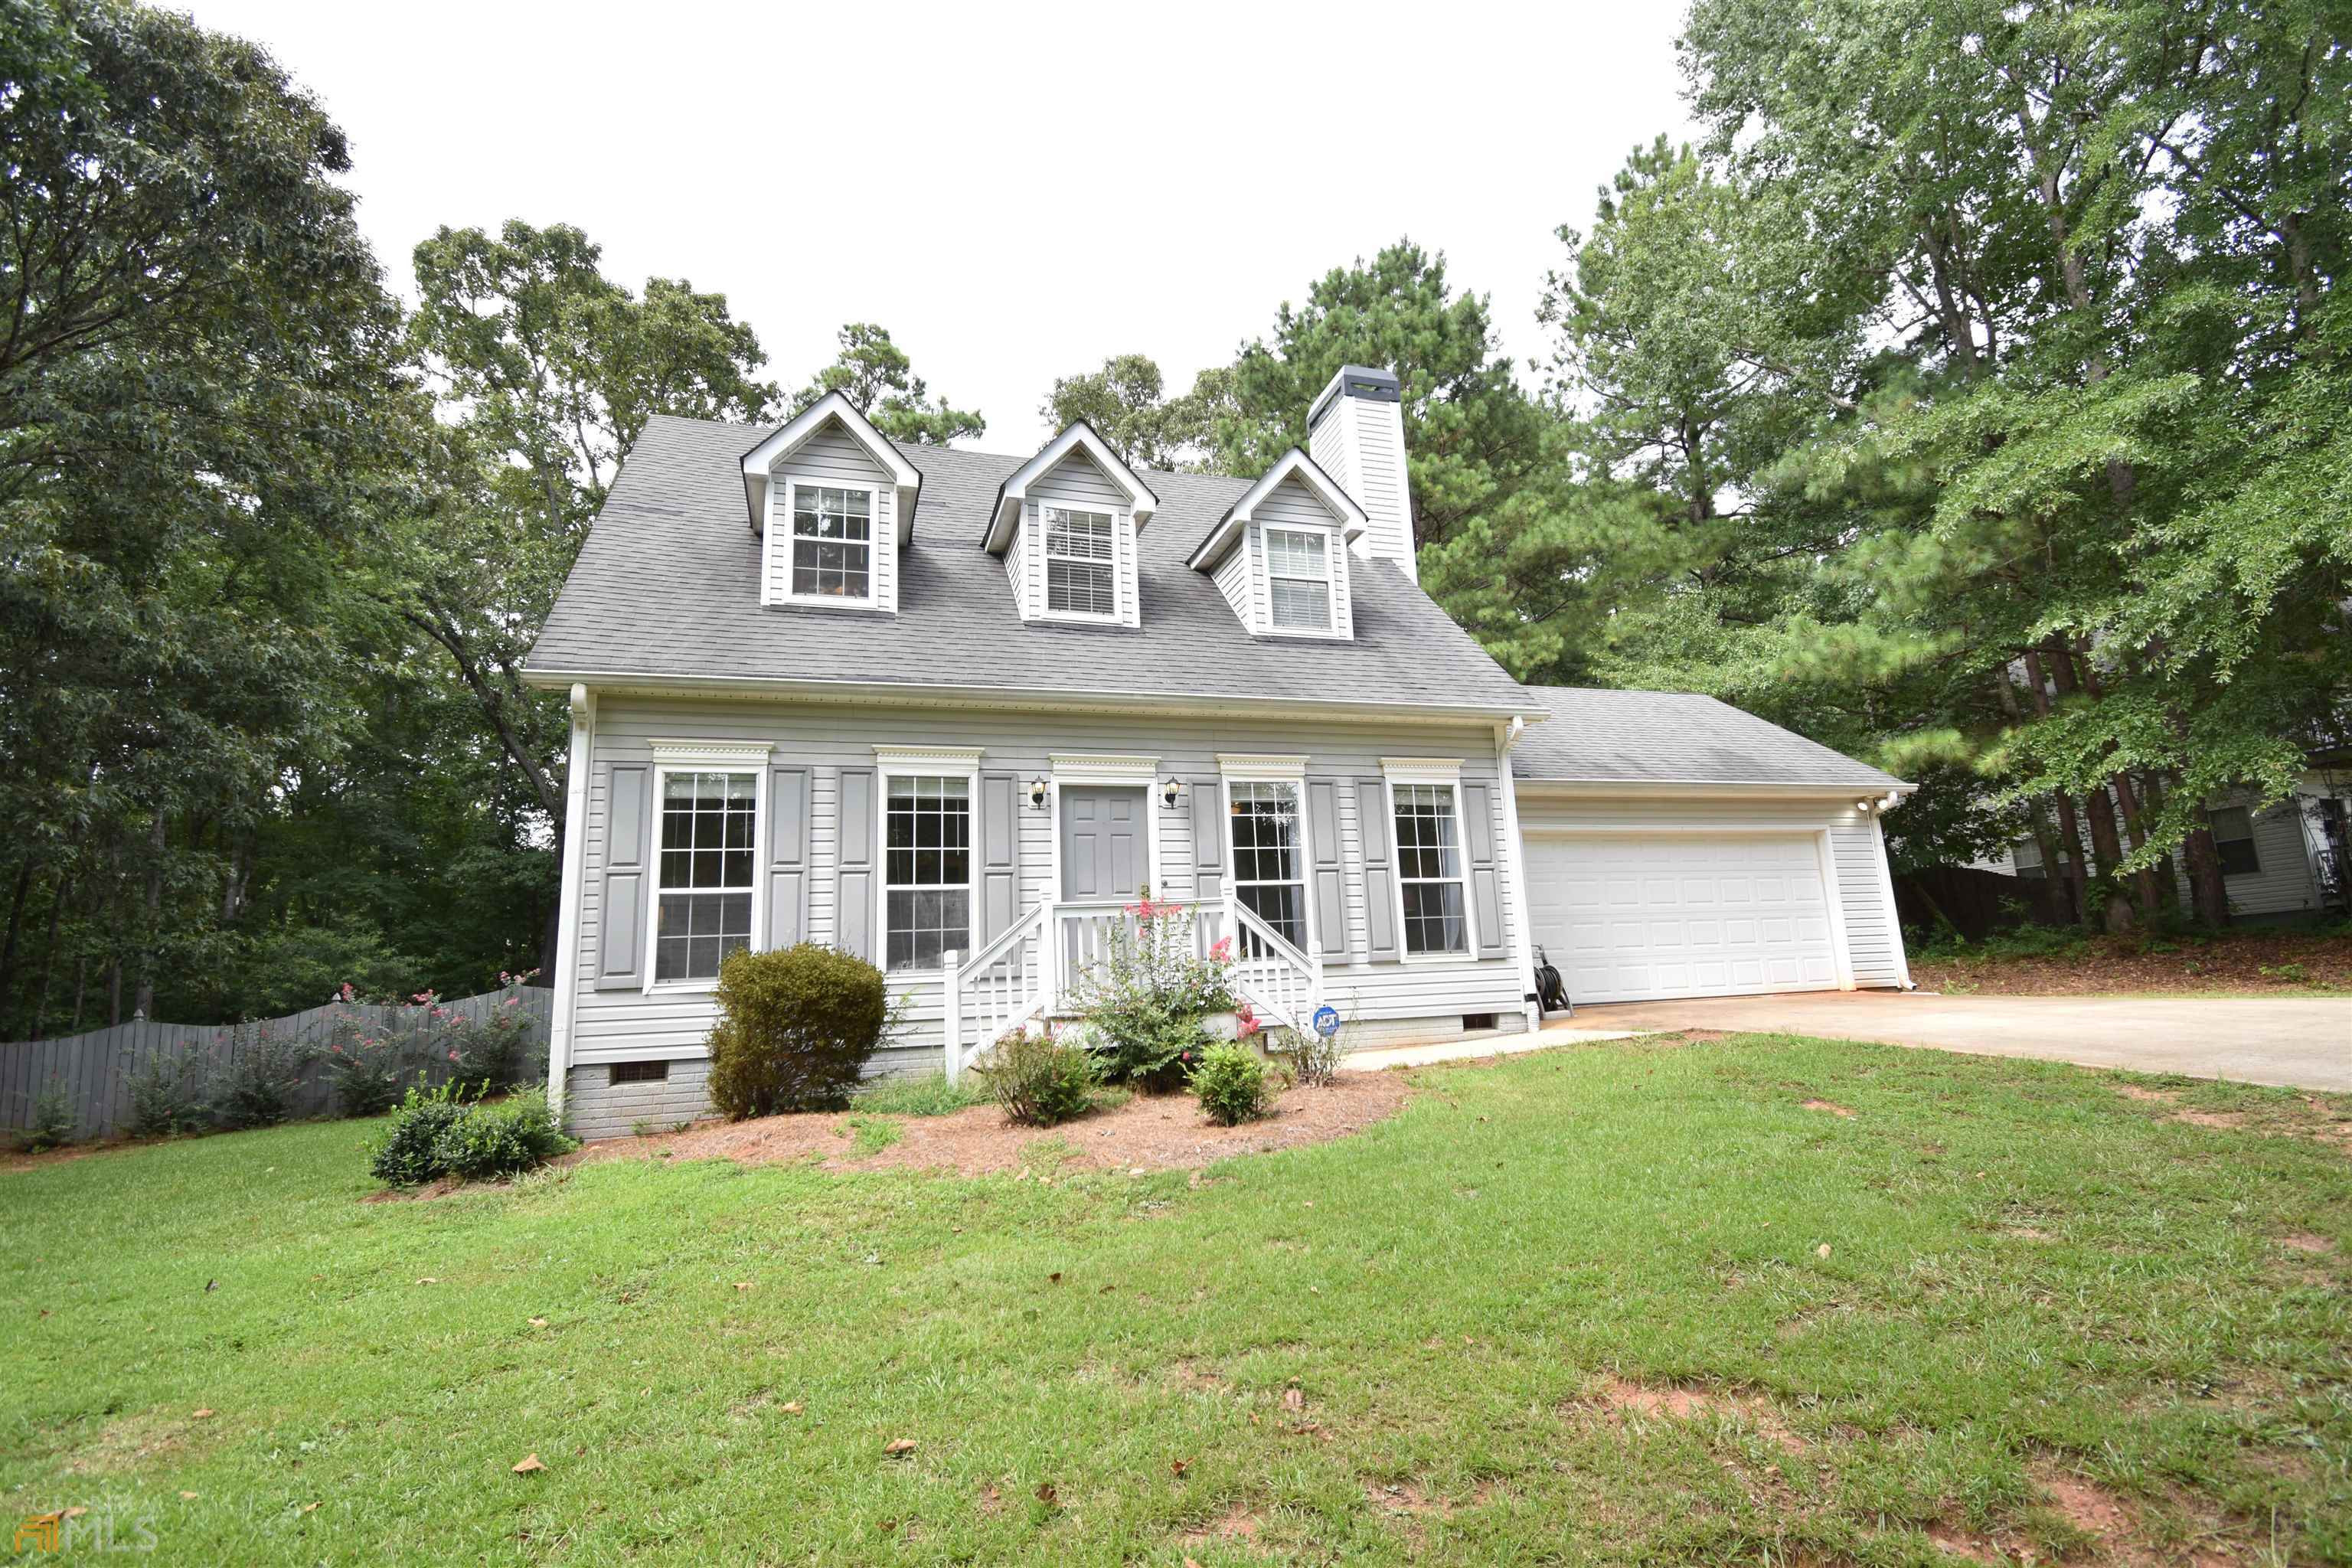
{"x":1170,"y":788}
{"x":1038,"y":792}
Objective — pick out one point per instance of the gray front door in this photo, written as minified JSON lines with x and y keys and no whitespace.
{"x":1103,"y":849}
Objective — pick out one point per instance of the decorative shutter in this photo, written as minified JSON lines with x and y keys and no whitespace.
{"x":1380,"y":868}
{"x":788,"y":844}
{"x":1485,"y":884}
{"x":621,"y":906}
{"x":999,"y":831}
{"x":1323,"y":835}
{"x":1208,"y":798}
{"x":852,"y":887}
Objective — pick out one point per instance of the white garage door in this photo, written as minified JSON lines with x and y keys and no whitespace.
{"x":1636,"y":917}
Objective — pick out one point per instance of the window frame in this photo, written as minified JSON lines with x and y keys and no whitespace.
{"x":753,"y":761}
{"x":891,"y":764}
{"x":1292,"y":774}
{"x":792,"y":485}
{"x":2254,"y":852}
{"x":1330,"y":627}
{"x":1045,"y":559}
{"x":1448,"y":776}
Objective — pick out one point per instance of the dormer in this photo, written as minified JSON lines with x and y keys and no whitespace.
{"x":1066,"y":523}
{"x":833,"y":501}
{"x":1279,"y":554}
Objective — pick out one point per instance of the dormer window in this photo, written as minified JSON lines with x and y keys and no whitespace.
{"x":1081,"y":562}
{"x":1279,"y":554}
{"x":1298,"y":577}
{"x":833,"y":543}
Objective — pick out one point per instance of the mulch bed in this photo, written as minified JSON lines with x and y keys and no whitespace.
{"x":1149,"y":1133}
{"x":2232,"y":963}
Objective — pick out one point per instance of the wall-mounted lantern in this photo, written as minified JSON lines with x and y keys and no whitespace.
{"x":1038,"y":792}
{"x":1170,"y":788}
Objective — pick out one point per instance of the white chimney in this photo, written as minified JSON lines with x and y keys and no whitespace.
{"x":1355,"y":433}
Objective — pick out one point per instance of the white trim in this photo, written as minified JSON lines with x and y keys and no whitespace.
{"x":1409,"y":776}
{"x":925,"y":762}
{"x":1524,"y":944}
{"x":709,"y":755}
{"x":1259,"y":767}
{"x":1825,"y":852}
{"x":1422,"y":770}
{"x":1330,"y":628}
{"x":563,"y":1019}
{"x":788,"y":540}
{"x":761,"y":460}
{"x":1304,"y":847}
{"x":1350,"y":518}
{"x":1120,"y":589}
{"x":1887,"y":893}
{"x":706,"y":757}
{"x":1077,"y":436}
{"x":1088,"y":767}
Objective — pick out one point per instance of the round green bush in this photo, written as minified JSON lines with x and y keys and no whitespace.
{"x":1040,"y":1081}
{"x":795,"y":1027}
{"x":410,"y":1155}
{"x":1231,"y":1085}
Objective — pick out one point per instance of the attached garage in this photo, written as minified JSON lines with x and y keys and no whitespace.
{"x":1639,"y":917}
{"x":1672,"y":846}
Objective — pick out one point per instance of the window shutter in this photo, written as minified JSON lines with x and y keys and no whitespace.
{"x":788,"y":834}
{"x":852,"y":887}
{"x":622,"y":903}
{"x":1208,"y":798}
{"x":1380,"y":868}
{"x":1323,"y":835}
{"x":1485,"y":883}
{"x":999,"y":855}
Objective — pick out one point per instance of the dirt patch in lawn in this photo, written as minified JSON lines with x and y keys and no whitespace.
{"x":2307,"y":1117}
{"x":2251,"y":964}
{"x":1149,"y":1132}
{"x":1629,"y":1401}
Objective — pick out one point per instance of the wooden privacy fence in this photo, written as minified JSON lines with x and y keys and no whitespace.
{"x":96,"y":1070}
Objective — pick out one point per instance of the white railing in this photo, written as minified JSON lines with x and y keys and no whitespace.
{"x":1083,"y":930}
{"x":998,"y":989}
{"x":1283,"y":984}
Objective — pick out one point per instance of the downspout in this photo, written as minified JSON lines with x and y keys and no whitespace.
{"x":1506,"y":737}
{"x":575,"y":872}
{"x":1874,"y":810}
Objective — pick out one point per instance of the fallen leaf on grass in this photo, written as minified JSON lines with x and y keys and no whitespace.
{"x":742,"y":1284}
{"x":1047,"y":1495}
{"x":793,"y":1407}
{"x":78,"y":1511}
{"x":1178,"y":1467}
{"x":200,"y":1414}
{"x":1293,"y":1399}
{"x":899,"y":1448}
{"x":530,"y":1463}
{"x":187,"y":1495}
{"x":1822,"y":1250}
{"x":308,"y":1508}
{"x":428,"y":1279}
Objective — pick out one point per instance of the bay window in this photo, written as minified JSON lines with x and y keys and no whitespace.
{"x":927,"y":870}
{"x":702,"y":909}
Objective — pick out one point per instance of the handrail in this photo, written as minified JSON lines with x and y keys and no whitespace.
{"x":1006,"y":938}
{"x":1030,"y":986}
{"x":1293,"y":971}
{"x":1250,"y":920}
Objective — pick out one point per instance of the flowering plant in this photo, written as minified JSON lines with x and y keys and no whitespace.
{"x":1146,"y":995}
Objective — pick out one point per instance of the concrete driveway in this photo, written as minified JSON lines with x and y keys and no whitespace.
{"x":2302,"y":1043}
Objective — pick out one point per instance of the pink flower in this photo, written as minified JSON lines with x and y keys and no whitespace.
{"x":1249,"y":1024}
{"x":453,"y":1056}
{"x":514,"y":1001}
{"x":1223,"y":951}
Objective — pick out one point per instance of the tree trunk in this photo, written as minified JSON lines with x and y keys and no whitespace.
{"x":2070,"y":827}
{"x":2113,"y":911}
{"x":2209,"y":896}
{"x":2151,"y":897}
{"x":2037,"y":816}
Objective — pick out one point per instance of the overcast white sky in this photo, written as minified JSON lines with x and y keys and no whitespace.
{"x":1015,"y":194}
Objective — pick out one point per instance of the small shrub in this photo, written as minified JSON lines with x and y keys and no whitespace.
{"x":2293,"y":973}
{"x":1231,"y":1082}
{"x":1316,"y":1058}
{"x":1040,"y":1081}
{"x":919,"y":1094}
{"x":490,"y":1140}
{"x":163,"y":1098}
{"x":54,"y":1122}
{"x":368,"y":1071}
{"x":409,"y":1153}
{"x":262,"y":1079}
{"x":795,"y":1027}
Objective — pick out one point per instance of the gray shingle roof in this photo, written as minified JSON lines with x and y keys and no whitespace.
{"x":1672,"y":737}
{"x":667,"y":586}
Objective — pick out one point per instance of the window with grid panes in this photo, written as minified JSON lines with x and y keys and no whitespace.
{"x":1429,"y":870}
{"x":927,"y":871}
{"x":833,"y":543}
{"x":1298,"y":579}
{"x":1269,"y":866}
{"x":702,"y":909}
{"x":1081,"y":573}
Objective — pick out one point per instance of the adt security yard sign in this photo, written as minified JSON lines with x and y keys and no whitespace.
{"x":1326,"y":1020}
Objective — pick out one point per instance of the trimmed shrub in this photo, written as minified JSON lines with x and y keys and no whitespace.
{"x":1040,"y":1081}
{"x":409,"y":1153}
{"x":1231,"y":1085}
{"x":490,"y":1140}
{"x":796,"y":1026}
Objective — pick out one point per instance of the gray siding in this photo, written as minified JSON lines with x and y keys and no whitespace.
{"x":612,"y":1026}
{"x":832,"y":456}
{"x":1872,"y":943}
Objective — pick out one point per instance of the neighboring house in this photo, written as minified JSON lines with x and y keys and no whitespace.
{"x":953,"y":712}
{"x":2283,"y":862}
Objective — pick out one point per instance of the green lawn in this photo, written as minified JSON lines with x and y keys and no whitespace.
{"x":2028,"y":1278}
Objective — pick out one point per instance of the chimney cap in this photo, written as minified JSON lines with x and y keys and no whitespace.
{"x":1355,"y":381}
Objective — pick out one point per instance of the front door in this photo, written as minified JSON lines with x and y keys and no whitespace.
{"x":1103,"y":850}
